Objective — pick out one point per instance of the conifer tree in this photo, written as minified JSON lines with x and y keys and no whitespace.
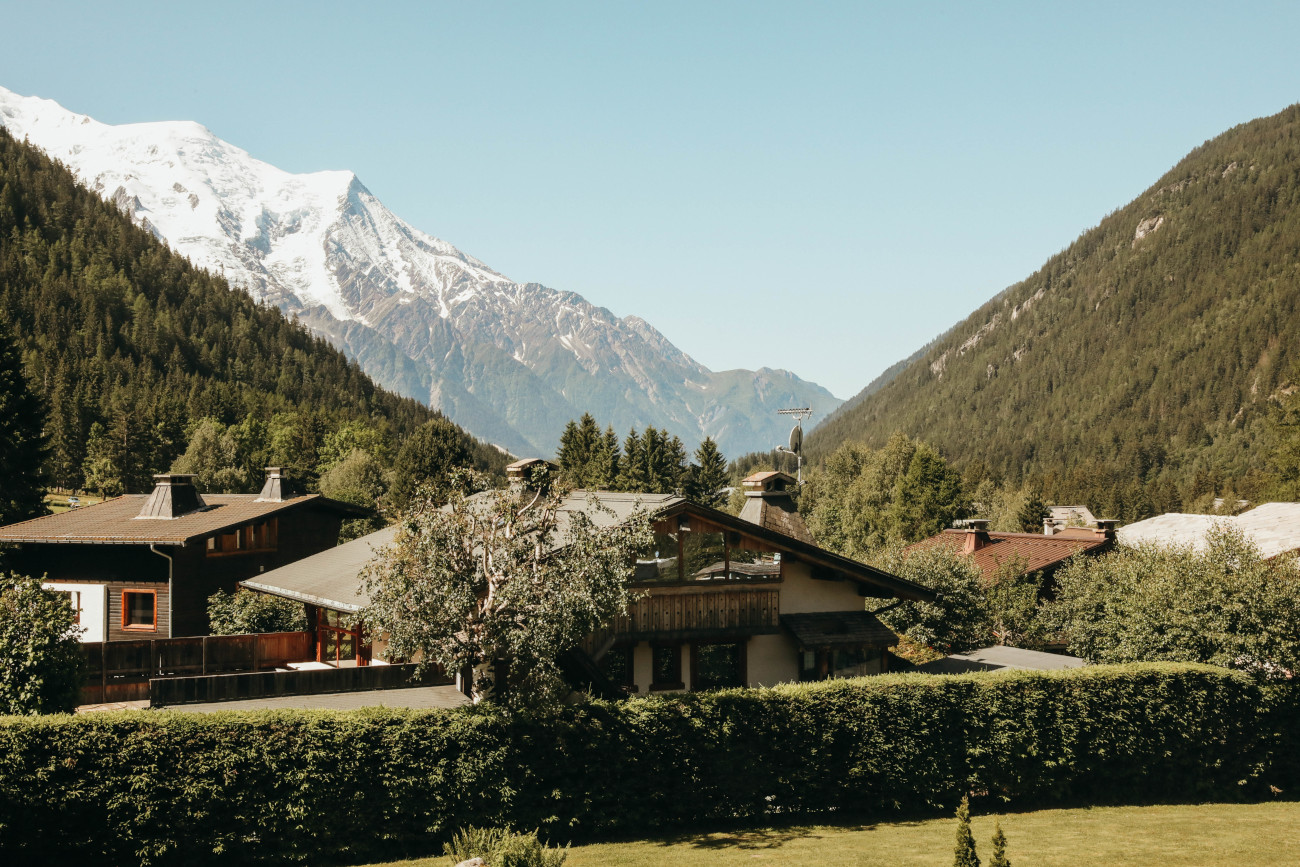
{"x":1032,"y":513}
{"x":102,"y":472}
{"x":964,"y":855}
{"x":631,"y":466}
{"x":609,"y":456}
{"x":708,"y":475}
{"x":567,"y":456}
{"x":999,"y":858}
{"x":23,"y":445}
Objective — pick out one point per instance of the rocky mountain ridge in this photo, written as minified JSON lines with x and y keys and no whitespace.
{"x":511,"y":362}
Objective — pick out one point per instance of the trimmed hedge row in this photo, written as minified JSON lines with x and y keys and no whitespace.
{"x":136,"y":787}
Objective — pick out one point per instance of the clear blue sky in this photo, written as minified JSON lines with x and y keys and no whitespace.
{"x":857,"y":176}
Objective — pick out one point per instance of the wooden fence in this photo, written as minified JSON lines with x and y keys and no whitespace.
{"x":122,"y":670}
{"x":164,"y":692}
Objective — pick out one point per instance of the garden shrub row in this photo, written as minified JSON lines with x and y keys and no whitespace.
{"x":169,"y":787}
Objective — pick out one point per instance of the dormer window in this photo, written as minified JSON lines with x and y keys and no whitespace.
{"x":248,"y":539}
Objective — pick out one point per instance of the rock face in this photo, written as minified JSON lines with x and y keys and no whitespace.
{"x":511,"y":362}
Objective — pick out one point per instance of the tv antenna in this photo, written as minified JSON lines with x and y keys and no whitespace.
{"x":796,"y":438}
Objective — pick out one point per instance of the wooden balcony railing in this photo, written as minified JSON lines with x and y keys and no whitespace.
{"x":669,"y":613}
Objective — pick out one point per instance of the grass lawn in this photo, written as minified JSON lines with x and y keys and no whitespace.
{"x":59,"y":502}
{"x":1208,"y":835}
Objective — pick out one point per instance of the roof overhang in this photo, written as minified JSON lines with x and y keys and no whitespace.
{"x":826,"y":564}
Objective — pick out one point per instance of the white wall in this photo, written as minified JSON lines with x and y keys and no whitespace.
{"x":800,"y":593}
{"x":92,"y":603}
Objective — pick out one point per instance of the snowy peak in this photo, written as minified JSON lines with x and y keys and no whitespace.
{"x":512,"y":362}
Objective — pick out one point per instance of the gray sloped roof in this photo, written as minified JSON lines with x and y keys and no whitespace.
{"x":1001,"y":658}
{"x":331,"y":579}
{"x":1274,"y":527}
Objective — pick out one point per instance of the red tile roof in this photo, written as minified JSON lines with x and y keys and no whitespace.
{"x":1036,"y":550}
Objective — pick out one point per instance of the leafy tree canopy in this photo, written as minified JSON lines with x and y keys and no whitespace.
{"x":427,"y":460}
{"x":1224,"y":605}
{"x":863,"y":499}
{"x":959,"y":619}
{"x":245,"y":611}
{"x":40,"y":650}
{"x":490,"y":578}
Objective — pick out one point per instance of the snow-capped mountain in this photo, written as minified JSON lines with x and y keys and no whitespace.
{"x":511,"y":362}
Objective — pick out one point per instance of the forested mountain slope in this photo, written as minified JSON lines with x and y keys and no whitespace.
{"x":117,"y":331}
{"x":1134,"y":370}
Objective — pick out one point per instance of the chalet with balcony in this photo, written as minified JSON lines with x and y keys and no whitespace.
{"x":143,"y":565}
{"x":726,"y":600}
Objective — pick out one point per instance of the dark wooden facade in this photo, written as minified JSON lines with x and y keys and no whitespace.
{"x":197,"y":569}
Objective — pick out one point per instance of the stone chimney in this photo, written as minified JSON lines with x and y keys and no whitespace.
{"x":278,"y":488}
{"x":769,"y":502}
{"x":173,"y":495}
{"x":976,"y":536}
{"x":1049,"y":527}
{"x":523,"y":475}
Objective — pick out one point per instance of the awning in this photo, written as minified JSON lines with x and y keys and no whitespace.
{"x":826,"y":629}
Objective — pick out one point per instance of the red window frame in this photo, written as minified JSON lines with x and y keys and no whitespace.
{"x":139,"y":627}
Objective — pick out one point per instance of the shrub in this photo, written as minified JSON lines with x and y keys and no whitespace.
{"x":40,"y":654}
{"x":244,"y":612}
{"x":501,"y":847}
{"x":999,"y":858}
{"x":169,"y":787}
{"x":964,"y":853}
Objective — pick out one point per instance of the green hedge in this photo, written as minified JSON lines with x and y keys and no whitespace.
{"x":328,"y":786}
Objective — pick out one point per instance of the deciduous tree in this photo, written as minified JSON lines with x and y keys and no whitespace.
{"x":1224,"y":605}
{"x":427,"y":458}
{"x":245,"y":611}
{"x":491,"y":580}
{"x":40,"y":654}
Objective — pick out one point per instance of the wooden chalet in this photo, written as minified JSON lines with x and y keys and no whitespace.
{"x":143,"y":565}
{"x":725,"y":600}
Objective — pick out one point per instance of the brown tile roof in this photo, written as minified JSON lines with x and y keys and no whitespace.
{"x":1036,"y":550}
{"x":778,"y":515}
{"x":114,"y":521}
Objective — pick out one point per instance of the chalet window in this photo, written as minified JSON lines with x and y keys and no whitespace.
{"x":843,"y":662}
{"x":337,"y":636}
{"x":617,"y":666}
{"x":140,"y":610}
{"x":666,"y":661}
{"x":718,"y":666}
{"x":247,"y":539}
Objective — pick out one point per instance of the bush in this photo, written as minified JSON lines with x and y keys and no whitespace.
{"x":244,"y":612}
{"x":1223,"y":605}
{"x":171,"y":787}
{"x":40,"y":650}
{"x":501,"y":847}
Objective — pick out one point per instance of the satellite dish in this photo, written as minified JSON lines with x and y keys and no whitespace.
{"x":796,"y":438}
